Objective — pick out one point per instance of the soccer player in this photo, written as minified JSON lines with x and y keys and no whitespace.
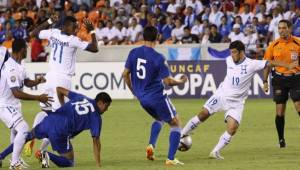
{"x":13,"y":78}
{"x":285,"y":82}
{"x":231,"y":94}
{"x":78,"y":114}
{"x":64,"y":44}
{"x":144,"y":72}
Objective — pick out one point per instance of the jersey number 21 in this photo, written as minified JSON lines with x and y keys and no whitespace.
{"x":140,"y":68}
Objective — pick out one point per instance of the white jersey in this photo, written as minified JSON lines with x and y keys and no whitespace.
{"x":238,"y":79}
{"x":62,"y":57}
{"x":12,"y":76}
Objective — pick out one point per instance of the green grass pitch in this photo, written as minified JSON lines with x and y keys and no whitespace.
{"x":125,"y":134}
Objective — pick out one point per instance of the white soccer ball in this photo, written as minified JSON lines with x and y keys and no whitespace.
{"x":185,"y":143}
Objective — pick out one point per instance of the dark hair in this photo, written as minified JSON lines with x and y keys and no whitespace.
{"x":150,"y":33}
{"x":104,"y":97}
{"x":68,"y":20}
{"x":288,"y":23}
{"x":213,"y":25}
{"x":18,"y":45}
{"x":237,"y":45}
{"x":186,"y":28}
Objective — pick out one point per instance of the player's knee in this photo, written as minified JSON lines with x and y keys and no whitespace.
{"x":22,"y":127}
{"x":203,"y":115}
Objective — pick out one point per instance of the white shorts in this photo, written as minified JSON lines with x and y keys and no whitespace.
{"x":54,"y":80}
{"x":232,"y":108}
{"x":11,"y":116}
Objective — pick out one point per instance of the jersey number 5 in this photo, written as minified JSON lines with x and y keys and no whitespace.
{"x":83,"y":107}
{"x":140,"y":68}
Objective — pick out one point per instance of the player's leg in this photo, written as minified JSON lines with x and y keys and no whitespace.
{"x":29,"y":145}
{"x":212,"y":105}
{"x":64,"y":147}
{"x":280,"y":97}
{"x":225,"y":138}
{"x":295,"y":93}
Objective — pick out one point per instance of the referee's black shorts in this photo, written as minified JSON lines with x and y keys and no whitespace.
{"x":285,"y":85}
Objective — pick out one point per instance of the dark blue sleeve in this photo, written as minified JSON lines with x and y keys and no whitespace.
{"x":96,"y":125}
{"x":128,"y":63}
{"x":164,"y":69}
{"x":75,"y":96}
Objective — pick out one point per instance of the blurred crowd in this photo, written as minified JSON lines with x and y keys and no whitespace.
{"x":116,"y":22}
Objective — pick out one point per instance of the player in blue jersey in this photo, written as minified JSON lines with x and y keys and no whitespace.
{"x":146,"y":71}
{"x":78,"y":114}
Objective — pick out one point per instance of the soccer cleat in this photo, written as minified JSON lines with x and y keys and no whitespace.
{"x":216,"y":155}
{"x":282,"y":143}
{"x":38,"y":155}
{"x":0,"y":163}
{"x":150,"y":152}
{"x":16,"y":166}
{"x":45,"y":159}
{"x":173,"y":162}
{"x":28,"y":148}
{"x":23,"y":163}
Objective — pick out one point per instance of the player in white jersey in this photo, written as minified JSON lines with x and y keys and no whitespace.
{"x":231,"y":94}
{"x":64,"y":45}
{"x":13,"y":78}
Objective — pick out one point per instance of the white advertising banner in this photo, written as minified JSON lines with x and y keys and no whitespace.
{"x":90,"y":78}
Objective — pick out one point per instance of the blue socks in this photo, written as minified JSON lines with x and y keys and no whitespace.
{"x":174,"y":140}
{"x":7,"y":151}
{"x":60,"y":161}
{"x":155,"y":129}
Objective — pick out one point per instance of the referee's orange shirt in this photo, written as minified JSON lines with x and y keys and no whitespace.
{"x":284,"y":50}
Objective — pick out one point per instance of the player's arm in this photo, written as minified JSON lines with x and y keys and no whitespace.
{"x":93,"y":46}
{"x":126,"y":76}
{"x":97,"y":150}
{"x":31,"y":83}
{"x":171,"y":81}
{"x":44,"y":25}
{"x":44,"y":98}
{"x":61,"y":93}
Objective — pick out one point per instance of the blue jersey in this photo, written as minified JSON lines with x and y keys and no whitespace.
{"x":80,"y":113}
{"x":147,"y":68}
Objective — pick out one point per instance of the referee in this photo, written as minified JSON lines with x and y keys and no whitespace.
{"x":285,"y":81}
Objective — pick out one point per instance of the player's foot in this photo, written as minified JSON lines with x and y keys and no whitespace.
{"x":216,"y":155}
{"x":28,"y":148}
{"x":150,"y":152}
{"x":173,"y":162}
{"x":282,"y":143}
{"x":23,"y":163}
{"x":38,"y":155}
{"x":45,"y":159}
{"x":16,"y":166}
{"x":0,"y":163}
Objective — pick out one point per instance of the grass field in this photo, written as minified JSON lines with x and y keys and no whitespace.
{"x":125,"y":134}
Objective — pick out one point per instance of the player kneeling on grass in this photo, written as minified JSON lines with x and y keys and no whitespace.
{"x":232,"y":93}
{"x":78,"y":114}
{"x":145,"y":72}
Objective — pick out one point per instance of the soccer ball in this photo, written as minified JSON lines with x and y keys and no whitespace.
{"x":185,"y":143}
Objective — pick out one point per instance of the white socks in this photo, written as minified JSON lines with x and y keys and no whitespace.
{"x":19,"y":141}
{"x":190,"y":126}
{"x":223,"y":141}
{"x":44,"y":144}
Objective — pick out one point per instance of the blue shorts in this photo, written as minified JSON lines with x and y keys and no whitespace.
{"x":60,"y":140}
{"x":160,"y":109}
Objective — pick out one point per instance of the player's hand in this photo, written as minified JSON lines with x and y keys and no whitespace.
{"x":44,"y":98}
{"x":41,"y":79}
{"x":266,"y":87}
{"x":183,"y":78}
{"x":293,"y":65}
{"x":89,"y":26}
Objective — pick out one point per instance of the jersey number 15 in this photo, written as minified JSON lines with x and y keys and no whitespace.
{"x":140,"y":68}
